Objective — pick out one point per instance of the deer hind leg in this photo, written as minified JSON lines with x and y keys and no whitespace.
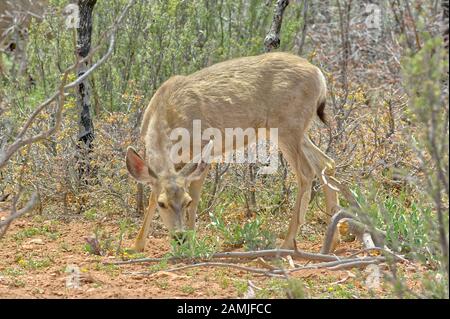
{"x":139,"y":244}
{"x":195,"y":190}
{"x":320,"y":161}
{"x":305,"y":174}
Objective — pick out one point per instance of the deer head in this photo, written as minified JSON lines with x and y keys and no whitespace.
{"x":170,"y":187}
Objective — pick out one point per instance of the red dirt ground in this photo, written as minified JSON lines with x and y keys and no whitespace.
{"x":33,"y":265}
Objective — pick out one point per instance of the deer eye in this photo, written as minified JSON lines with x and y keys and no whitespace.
{"x":162,"y":205}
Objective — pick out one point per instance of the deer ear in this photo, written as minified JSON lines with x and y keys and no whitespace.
{"x":138,"y":169}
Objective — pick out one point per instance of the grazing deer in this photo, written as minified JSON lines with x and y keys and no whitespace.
{"x":272,"y":90}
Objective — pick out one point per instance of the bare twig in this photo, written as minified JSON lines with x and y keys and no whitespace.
{"x":28,"y":207}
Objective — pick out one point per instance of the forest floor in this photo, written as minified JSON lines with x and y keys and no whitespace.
{"x":35,"y":254}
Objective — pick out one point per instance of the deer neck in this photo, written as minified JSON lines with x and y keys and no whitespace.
{"x":158,"y":144}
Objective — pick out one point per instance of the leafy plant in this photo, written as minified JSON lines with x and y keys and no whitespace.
{"x":33,"y":263}
{"x":46,"y":230}
{"x":101,"y":243}
{"x":192,"y":247}
{"x":251,"y":235}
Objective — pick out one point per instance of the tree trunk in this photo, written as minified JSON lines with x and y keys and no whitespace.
{"x":445,"y":21}
{"x":85,"y":125}
{"x":272,"y":40}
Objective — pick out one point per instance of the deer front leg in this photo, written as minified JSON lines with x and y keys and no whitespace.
{"x":298,"y":215}
{"x":143,"y":233}
{"x":195,"y":190}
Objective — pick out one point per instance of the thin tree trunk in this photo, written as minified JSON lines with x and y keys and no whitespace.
{"x":300,"y":38}
{"x":445,"y":21}
{"x":85,"y":124}
{"x":272,"y":40}
{"x":252,"y":190}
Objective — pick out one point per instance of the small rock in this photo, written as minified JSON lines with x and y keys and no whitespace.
{"x":411,"y":269}
{"x":36,"y":241}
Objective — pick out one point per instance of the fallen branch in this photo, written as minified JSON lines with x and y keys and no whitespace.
{"x":295,"y":254}
{"x":269,"y":253}
{"x":213,"y":264}
{"x":338,"y":265}
{"x":278,"y":272}
{"x":348,"y":223}
{"x":357,"y":264}
{"x":331,"y":235}
{"x":380,"y":250}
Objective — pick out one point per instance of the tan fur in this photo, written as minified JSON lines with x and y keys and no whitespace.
{"x":273,"y":90}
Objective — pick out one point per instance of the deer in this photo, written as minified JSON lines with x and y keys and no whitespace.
{"x":272,"y":90}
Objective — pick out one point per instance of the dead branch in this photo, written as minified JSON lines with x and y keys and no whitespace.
{"x":269,"y":253}
{"x":356,"y":264}
{"x":278,"y":272}
{"x":272,"y":40}
{"x":340,"y":187}
{"x":214,"y":264}
{"x":295,"y":254}
{"x":13,"y":215}
{"x":348,"y":223}
{"x":378,"y":250}
{"x":340,"y":264}
{"x":331,"y":235}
